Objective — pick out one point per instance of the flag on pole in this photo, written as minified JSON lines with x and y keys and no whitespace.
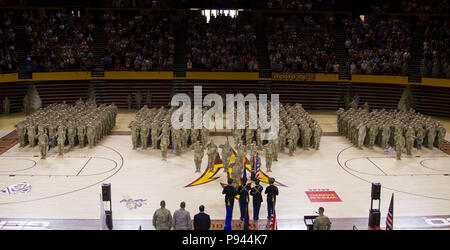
{"x":174,"y":148}
{"x":246,"y":222}
{"x":244,"y":174}
{"x":273,"y":222}
{"x":252,"y":172}
{"x":228,"y":217}
{"x":390,"y":215}
{"x":258,"y":166}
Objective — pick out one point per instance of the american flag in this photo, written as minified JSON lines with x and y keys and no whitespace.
{"x":273,"y":223}
{"x":245,"y":167}
{"x":390,"y":215}
{"x":257,"y":166}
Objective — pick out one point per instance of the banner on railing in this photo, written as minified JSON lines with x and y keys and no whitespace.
{"x":297,"y":77}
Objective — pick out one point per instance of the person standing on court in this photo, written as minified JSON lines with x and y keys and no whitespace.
{"x":272,"y":192}
{"x":243,"y":196}
{"x":202,"y":220}
{"x":230,"y":192}
{"x":182,"y":218}
{"x":257,"y":199}
{"x":162,"y":219}
{"x":322,"y":222}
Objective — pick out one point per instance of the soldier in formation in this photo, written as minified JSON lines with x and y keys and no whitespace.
{"x":227,"y":151}
{"x":64,"y":124}
{"x":400,"y":129}
{"x":212,"y":153}
{"x":149,"y":125}
{"x":199,"y":152}
{"x":138,"y":98}
{"x":6,"y":106}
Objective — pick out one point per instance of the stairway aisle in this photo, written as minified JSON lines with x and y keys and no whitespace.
{"x":341,"y":55}
{"x":99,"y":51}
{"x":414,"y":74}
{"x":21,"y":52}
{"x":180,"y":51}
{"x":261,"y":49}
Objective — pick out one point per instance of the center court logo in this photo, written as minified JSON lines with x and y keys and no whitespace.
{"x":257,"y":112}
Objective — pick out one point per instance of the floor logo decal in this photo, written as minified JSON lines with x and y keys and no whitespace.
{"x":322,"y":195}
{"x":20,"y":188}
{"x":209,"y":176}
{"x":133,"y":204}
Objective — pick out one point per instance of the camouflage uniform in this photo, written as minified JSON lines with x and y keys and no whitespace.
{"x":282,"y":136}
{"x":431,"y":135}
{"x":144,"y":133}
{"x":6,"y":106}
{"x":199,"y":152}
{"x":275,"y":148}
{"x":361,"y":128}
{"x":155,"y":133}
{"x":129,"y":100}
{"x":291,"y":143}
{"x":61,"y":140}
{"x":399,"y":145}
{"x":71,"y":132}
{"x":306,"y":137}
{"x":440,"y":136}
{"x":162,"y":219}
{"x":322,"y":223}
{"x":164,"y":144}
{"x":81,"y":132}
{"x":43,"y":144}
{"x":31,"y":131}
{"x":227,"y":151}
{"x":212,"y":153}
{"x":410,"y":137}
{"x":21,"y":131}
{"x":138,"y":99}
{"x":269,"y":157}
{"x":317,"y":134}
{"x":90,"y":135}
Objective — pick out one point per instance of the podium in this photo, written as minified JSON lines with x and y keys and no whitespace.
{"x":309,"y":221}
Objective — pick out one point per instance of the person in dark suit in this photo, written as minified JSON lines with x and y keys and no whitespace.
{"x":272,"y":192}
{"x":202,"y":220}
{"x":230,"y":193}
{"x":243,"y":196}
{"x":256,"y":192}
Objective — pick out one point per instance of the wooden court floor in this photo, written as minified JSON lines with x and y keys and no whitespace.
{"x":65,"y":189}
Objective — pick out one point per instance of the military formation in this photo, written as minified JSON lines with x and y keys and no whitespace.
{"x":138,"y":98}
{"x":60,"y":124}
{"x":152,"y":126}
{"x":400,"y":129}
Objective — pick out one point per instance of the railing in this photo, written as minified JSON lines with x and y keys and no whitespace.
{"x":229,"y":76}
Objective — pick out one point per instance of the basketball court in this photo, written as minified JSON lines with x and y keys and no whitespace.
{"x":62,"y":192}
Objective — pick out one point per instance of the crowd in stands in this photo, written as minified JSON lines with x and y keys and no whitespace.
{"x":378,"y":46}
{"x":223,"y":44}
{"x":58,"y":42}
{"x":408,"y":6}
{"x":295,"y":43}
{"x":140,"y":43}
{"x":8,"y":61}
{"x":423,"y":6}
{"x":301,"y":5}
{"x":436,"y":51}
{"x":301,"y":44}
